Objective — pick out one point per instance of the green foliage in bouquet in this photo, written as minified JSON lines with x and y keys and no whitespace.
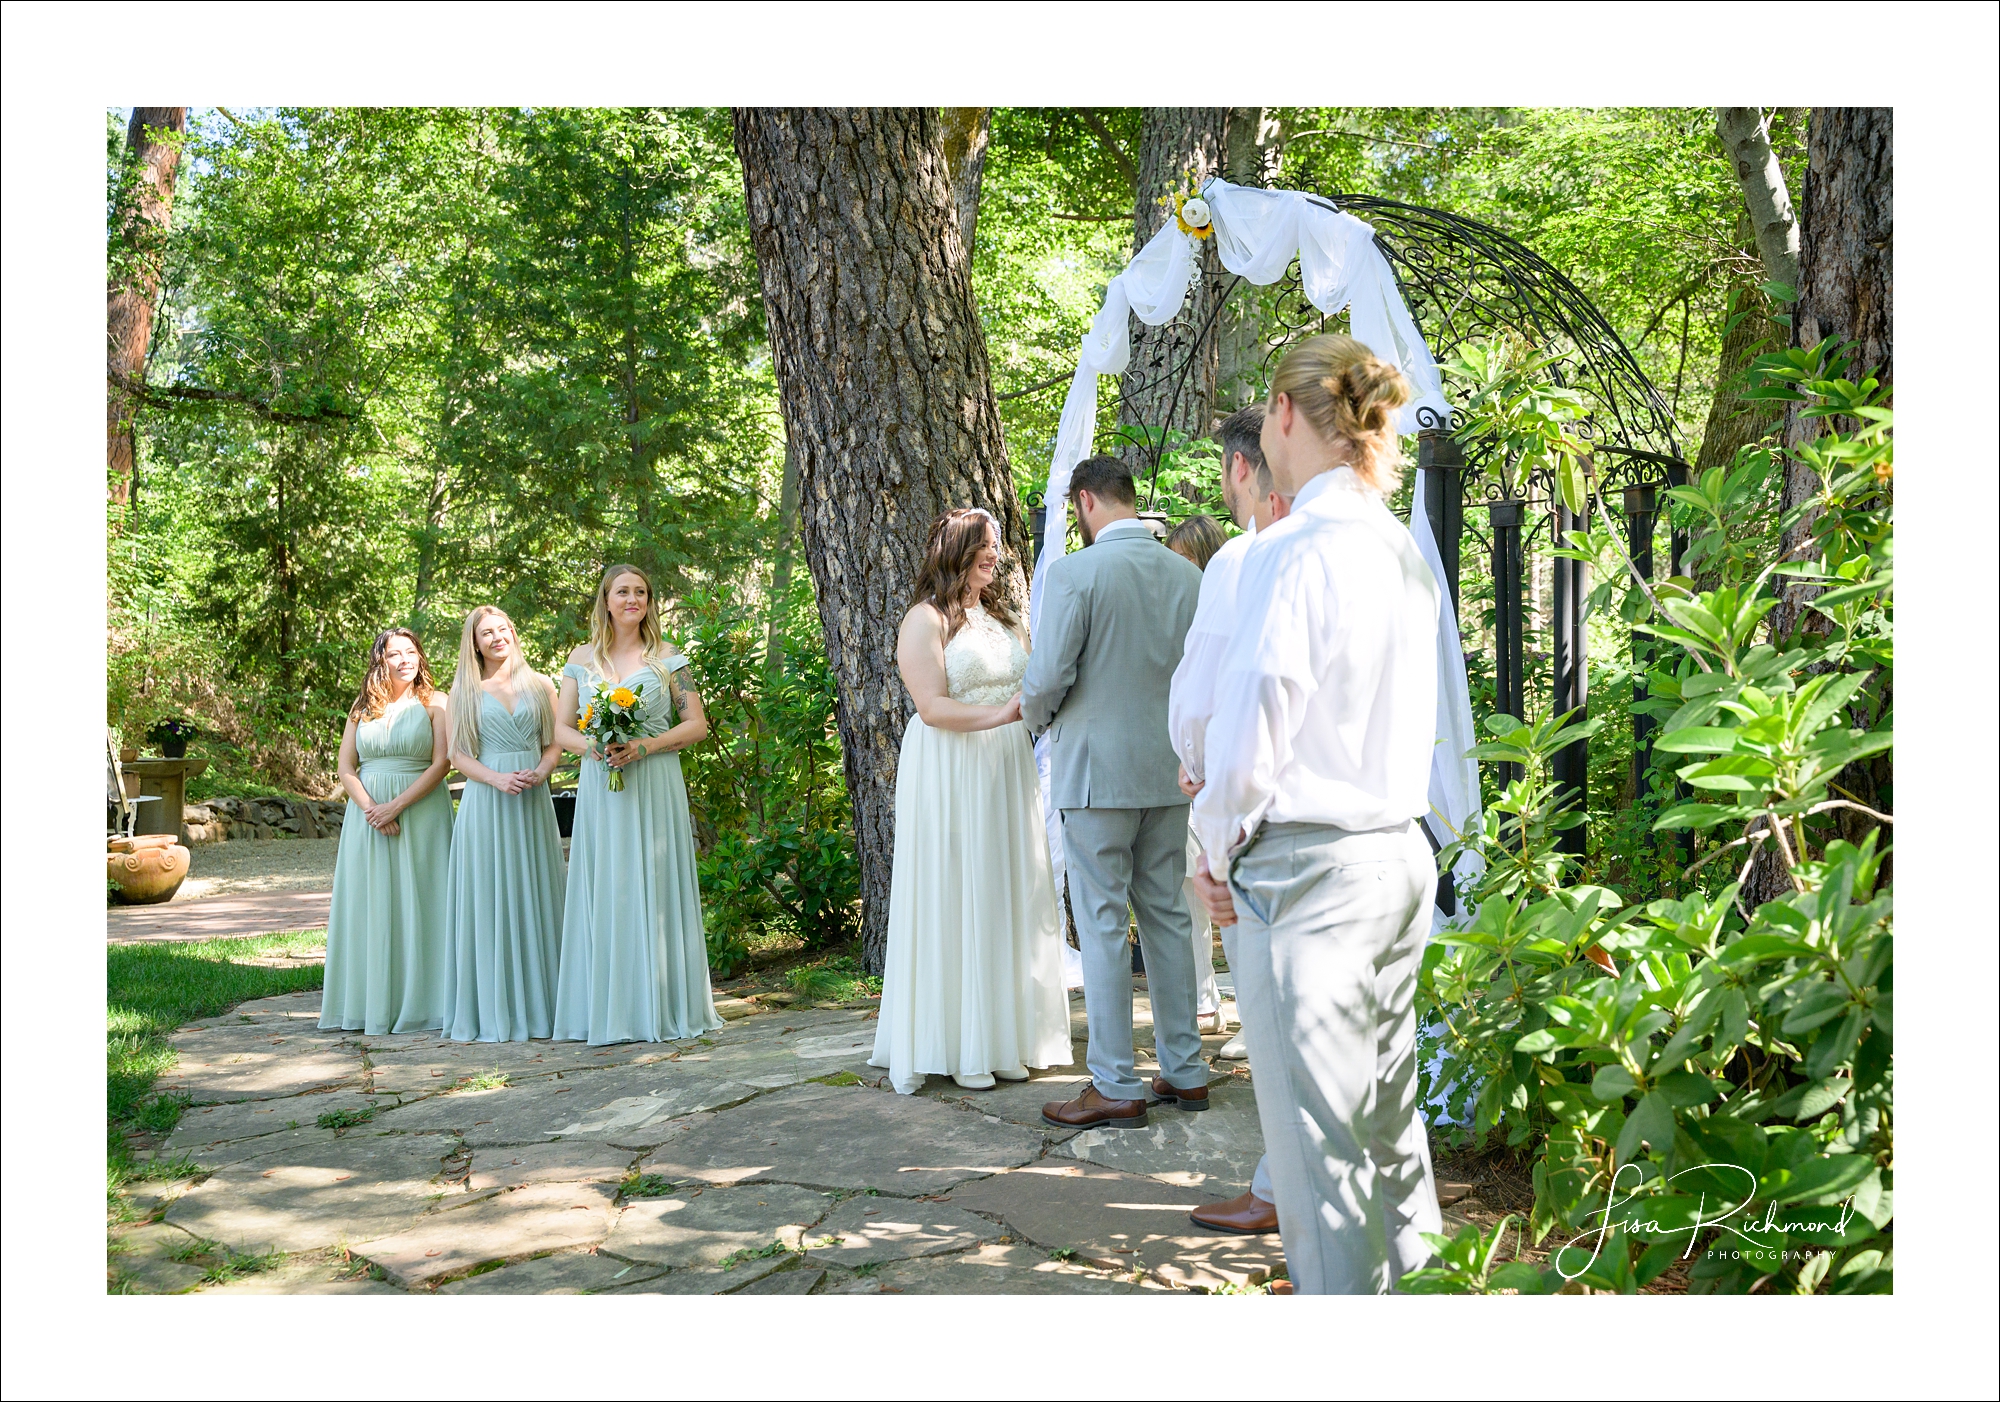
{"x":1698,"y":1076}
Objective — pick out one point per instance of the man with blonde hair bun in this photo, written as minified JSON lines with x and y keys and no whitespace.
{"x":1317,"y":761}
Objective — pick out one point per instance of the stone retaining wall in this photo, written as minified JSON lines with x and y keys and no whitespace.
{"x":235,"y":819}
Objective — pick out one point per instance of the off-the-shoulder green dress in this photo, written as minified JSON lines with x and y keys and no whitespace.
{"x":634,"y":958}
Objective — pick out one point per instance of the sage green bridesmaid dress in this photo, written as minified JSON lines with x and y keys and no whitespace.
{"x":505,"y":895}
{"x":385,"y":932}
{"x":634,"y":958}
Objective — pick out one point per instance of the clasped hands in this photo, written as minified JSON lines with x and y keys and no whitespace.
{"x":1214,"y":894}
{"x":624,"y":752}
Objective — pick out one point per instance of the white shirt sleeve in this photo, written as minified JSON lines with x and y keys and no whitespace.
{"x":1191,"y":701}
{"x":1192,"y":696}
{"x":1268,"y":677}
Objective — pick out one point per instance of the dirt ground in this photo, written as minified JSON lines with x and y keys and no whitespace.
{"x":258,"y":867}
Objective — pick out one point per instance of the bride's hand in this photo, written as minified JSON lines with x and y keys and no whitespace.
{"x":1010,"y":712}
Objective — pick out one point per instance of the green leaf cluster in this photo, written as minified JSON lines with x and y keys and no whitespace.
{"x":1698,"y":1077}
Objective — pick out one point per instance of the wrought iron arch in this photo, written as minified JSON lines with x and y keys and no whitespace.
{"x":1464,"y":281}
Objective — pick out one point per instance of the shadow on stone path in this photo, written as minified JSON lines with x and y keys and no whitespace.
{"x":766,"y":1157}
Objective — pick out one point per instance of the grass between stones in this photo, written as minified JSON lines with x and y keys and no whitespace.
{"x":152,"y":989}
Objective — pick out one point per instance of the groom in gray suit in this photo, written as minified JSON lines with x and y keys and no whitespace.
{"x":1114,"y":618}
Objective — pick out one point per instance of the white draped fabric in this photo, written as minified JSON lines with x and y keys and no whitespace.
{"x":1257,"y":235}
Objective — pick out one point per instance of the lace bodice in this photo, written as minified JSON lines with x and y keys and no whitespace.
{"x":984,"y":664}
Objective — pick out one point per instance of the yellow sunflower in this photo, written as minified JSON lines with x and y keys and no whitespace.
{"x":584,"y":719}
{"x":622,"y":697}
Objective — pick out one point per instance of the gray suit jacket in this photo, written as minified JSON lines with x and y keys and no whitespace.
{"x":1114,"y":618}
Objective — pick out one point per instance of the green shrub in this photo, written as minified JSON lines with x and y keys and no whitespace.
{"x":1695,"y":1075}
{"x":767,"y":790}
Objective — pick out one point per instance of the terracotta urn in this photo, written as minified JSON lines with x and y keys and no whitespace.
{"x":146,"y":870}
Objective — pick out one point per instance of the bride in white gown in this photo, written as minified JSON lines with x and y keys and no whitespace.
{"x":973,"y":986}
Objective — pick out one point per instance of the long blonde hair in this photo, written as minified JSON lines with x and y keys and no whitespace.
{"x":603,"y":636}
{"x":1351,"y":398}
{"x":462,"y":710}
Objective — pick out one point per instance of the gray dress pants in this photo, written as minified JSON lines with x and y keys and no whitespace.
{"x":1260,"y":1179}
{"x":1135,"y":855}
{"x":1331,"y":930}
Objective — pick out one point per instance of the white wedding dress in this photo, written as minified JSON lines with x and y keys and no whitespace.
{"x":972,"y":983}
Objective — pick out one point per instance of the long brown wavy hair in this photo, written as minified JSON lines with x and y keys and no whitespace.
{"x":957,"y":537}
{"x":375,"y":687}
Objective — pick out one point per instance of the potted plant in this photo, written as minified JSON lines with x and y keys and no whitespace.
{"x":172,"y":736}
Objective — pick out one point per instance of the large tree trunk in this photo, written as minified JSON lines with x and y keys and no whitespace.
{"x":1733,"y":419}
{"x":1846,"y":220}
{"x":781,"y":567}
{"x":1156,"y":393}
{"x":1748,"y":142}
{"x":1251,"y":148}
{"x":882,"y":370}
{"x":1845,"y":283}
{"x":154,"y":156}
{"x":965,"y":132}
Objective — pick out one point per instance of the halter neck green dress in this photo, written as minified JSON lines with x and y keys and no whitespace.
{"x":385,"y":931}
{"x":504,"y":904}
{"x":634,"y":958}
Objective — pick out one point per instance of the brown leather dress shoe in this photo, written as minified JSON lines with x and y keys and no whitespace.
{"x":1248,"y":1215}
{"x":1091,"y":1109}
{"x":1190,"y":1100}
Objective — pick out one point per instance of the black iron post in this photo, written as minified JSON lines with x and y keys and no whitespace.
{"x":1641,"y":517}
{"x":1038,"y":520}
{"x":1442,"y":461}
{"x":1677,"y":544}
{"x":1571,"y":768}
{"x":1507,"y":658}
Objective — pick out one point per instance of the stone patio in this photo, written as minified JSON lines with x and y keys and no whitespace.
{"x":764,"y":1158}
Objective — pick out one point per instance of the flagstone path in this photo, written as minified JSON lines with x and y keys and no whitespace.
{"x":764,"y":1158}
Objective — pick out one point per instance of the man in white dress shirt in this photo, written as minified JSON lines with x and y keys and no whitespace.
{"x":1253,"y":503}
{"x":1317,"y":759}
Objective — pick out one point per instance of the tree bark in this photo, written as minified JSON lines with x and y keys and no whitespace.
{"x":154,"y":156}
{"x":1748,"y":143}
{"x":781,"y":567}
{"x":1846,"y":223}
{"x":1250,"y":145}
{"x":1733,"y":420}
{"x":1845,"y":284}
{"x":965,"y":132}
{"x":882,"y":370}
{"x":1155,"y":393}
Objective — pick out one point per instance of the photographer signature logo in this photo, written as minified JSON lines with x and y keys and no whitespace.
{"x":1757,"y":1232}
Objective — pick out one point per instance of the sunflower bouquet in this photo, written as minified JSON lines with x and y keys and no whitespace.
{"x":613,"y":717}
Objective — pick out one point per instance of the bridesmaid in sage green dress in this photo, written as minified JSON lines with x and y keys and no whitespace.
{"x":504,"y":908}
{"x":385,"y":933}
{"x":634,"y":959}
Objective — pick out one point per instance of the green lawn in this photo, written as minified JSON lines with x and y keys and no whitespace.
{"x":151,"y":989}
